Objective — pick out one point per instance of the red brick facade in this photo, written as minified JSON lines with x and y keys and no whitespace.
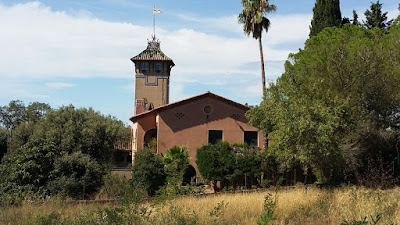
{"x":188,"y":122}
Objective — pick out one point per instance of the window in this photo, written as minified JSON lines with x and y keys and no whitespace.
{"x":144,"y":67}
{"x":251,"y":138}
{"x":214,"y":136}
{"x":158,"y":67}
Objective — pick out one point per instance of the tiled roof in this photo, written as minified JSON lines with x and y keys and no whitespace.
{"x":183,"y":101}
{"x":152,"y":53}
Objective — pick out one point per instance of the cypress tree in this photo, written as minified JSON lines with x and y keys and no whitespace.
{"x":355,"y":18}
{"x":326,"y":14}
{"x":375,"y":17}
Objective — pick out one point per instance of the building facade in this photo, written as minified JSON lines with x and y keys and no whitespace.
{"x":192,"y":122}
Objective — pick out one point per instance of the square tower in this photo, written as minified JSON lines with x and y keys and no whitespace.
{"x":152,"y":68}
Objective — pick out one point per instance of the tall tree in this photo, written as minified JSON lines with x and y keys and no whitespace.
{"x":375,"y":17}
{"x":16,"y":113}
{"x":355,"y":18}
{"x":255,"y":22}
{"x":344,"y":79}
{"x":326,"y":14}
{"x":13,"y":114}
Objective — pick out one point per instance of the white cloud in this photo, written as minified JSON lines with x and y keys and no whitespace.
{"x":288,"y":28}
{"x":59,"y":85}
{"x":38,"y":42}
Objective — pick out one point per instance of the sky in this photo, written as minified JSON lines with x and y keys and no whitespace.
{"x":78,"y":51}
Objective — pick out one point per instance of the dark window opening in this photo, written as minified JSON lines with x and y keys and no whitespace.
{"x":144,"y":67}
{"x":214,"y":136}
{"x":158,"y":67}
{"x":251,"y":138}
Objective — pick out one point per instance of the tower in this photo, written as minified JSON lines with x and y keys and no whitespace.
{"x":152,"y":68}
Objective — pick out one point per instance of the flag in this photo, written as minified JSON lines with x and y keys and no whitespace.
{"x":156,"y":11}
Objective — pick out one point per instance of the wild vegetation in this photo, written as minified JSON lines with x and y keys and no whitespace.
{"x":52,"y":152}
{"x":334,"y":114}
{"x":335,"y":110}
{"x":347,"y":205}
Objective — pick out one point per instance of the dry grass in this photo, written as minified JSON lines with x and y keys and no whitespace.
{"x":301,"y":206}
{"x":26,"y":212}
{"x":295,"y":206}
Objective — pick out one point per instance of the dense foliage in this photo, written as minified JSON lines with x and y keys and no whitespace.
{"x":375,"y":17}
{"x":25,"y":171}
{"x":326,"y":14}
{"x":236,"y":165}
{"x":76,"y":175}
{"x":148,"y":170}
{"x":343,"y":87}
{"x":64,"y":150}
{"x":176,"y":163}
{"x":16,"y":113}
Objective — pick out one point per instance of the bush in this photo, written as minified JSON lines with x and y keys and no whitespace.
{"x":76,"y":175}
{"x":237,"y":164}
{"x":114,"y":186}
{"x":24,"y":172}
{"x":148,"y":170}
{"x":215,"y":162}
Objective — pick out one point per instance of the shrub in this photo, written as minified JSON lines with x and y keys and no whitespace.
{"x":76,"y":175}
{"x":215,"y":162}
{"x":114,"y":186}
{"x":24,"y":172}
{"x":148,"y":170}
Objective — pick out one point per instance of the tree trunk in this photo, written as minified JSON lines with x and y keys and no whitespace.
{"x":262,"y":68}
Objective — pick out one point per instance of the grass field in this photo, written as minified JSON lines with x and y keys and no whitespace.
{"x":294,"y":206}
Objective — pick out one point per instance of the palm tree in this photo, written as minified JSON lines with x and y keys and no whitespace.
{"x":255,"y":22}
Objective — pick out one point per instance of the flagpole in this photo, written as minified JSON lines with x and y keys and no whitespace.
{"x":154,"y":24}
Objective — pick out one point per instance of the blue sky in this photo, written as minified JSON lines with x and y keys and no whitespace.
{"x":77,"y":51}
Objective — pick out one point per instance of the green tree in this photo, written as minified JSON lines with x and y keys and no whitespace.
{"x":254,"y":20}
{"x":375,"y":17}
{"x":247,"y":166}
{"x":36,"y":110}
{"x":326,"y":14}
{"x":13,"y":114}
{"x":216,"y":162}
{"x":48,"y":134}
{"x":148,"y":170}
{"x":77,"y":175}
{"x":27,"y":169}
{"x":343,"y":79}
{"x":75,"y":130}
{"x":17,"y":113}
{"x":355,"y":19}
